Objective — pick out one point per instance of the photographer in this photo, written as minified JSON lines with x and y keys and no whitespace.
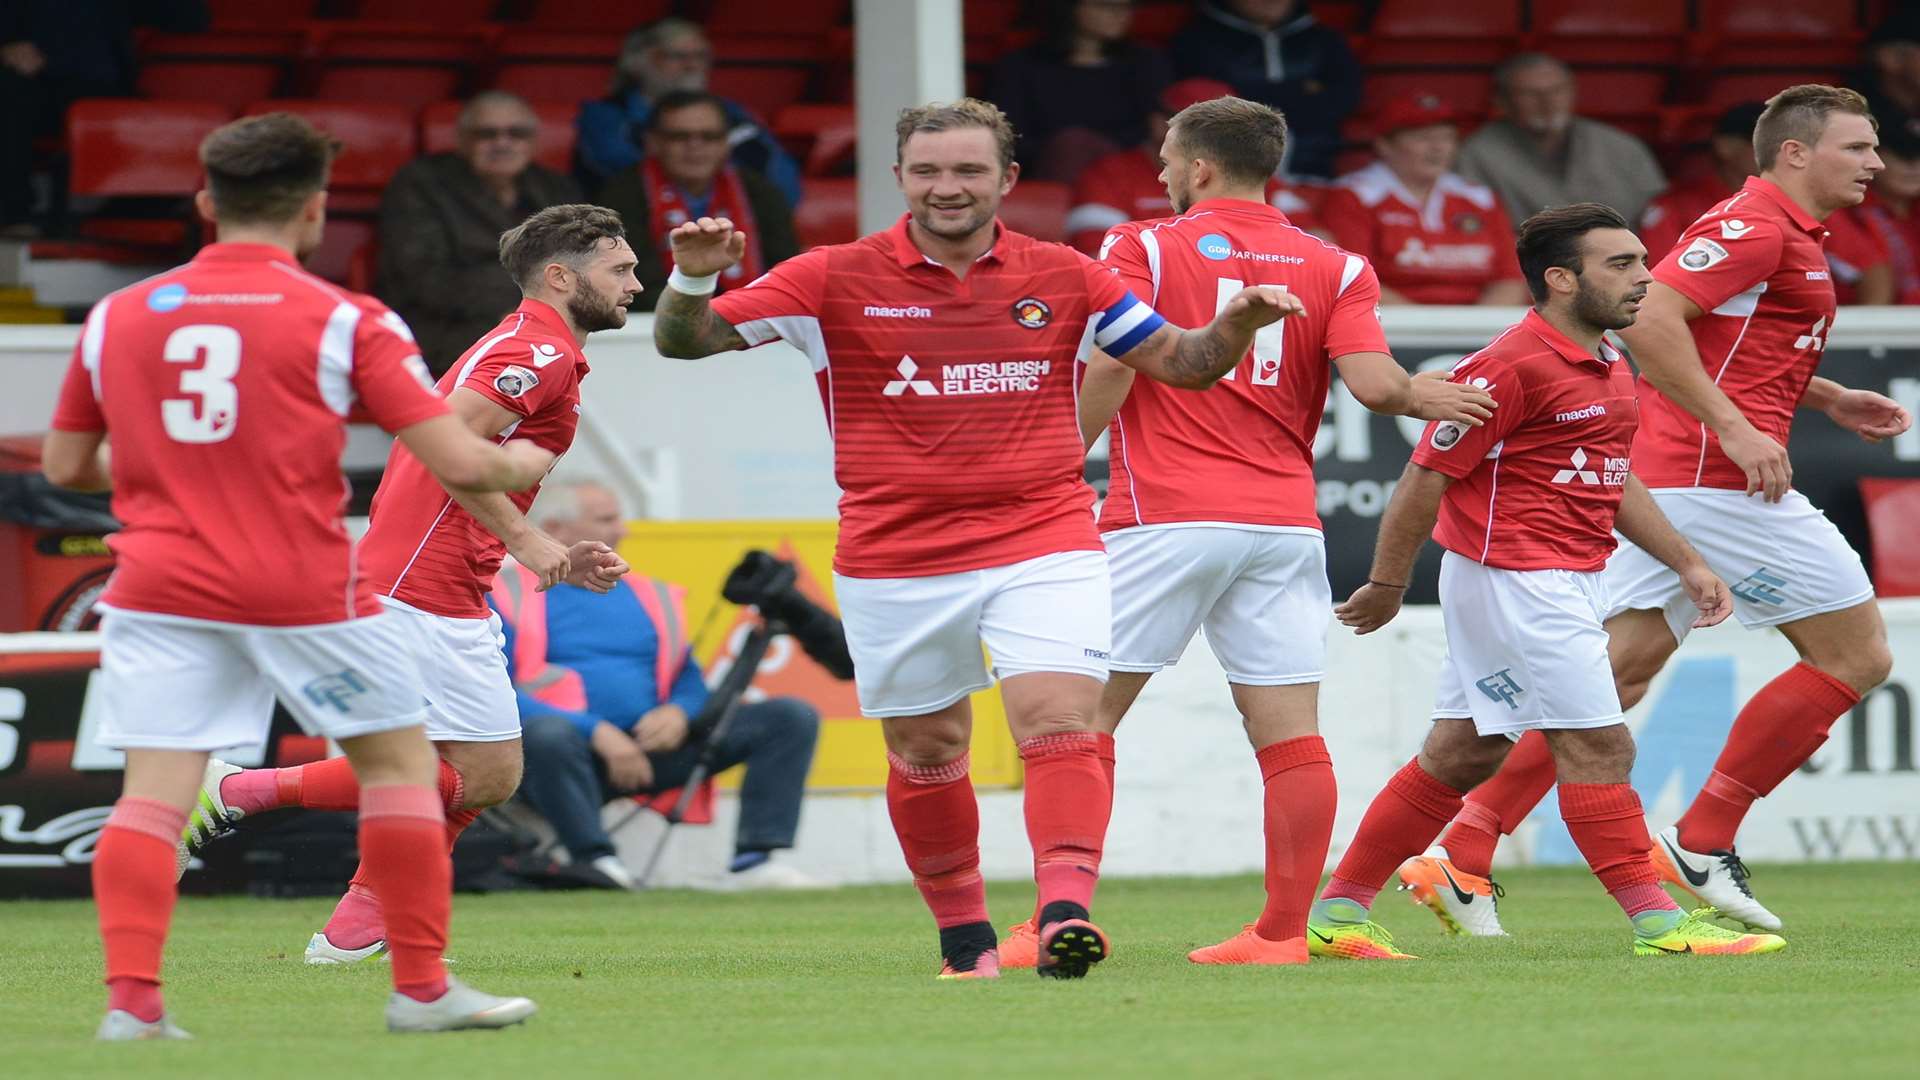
{"x":610,"y":694}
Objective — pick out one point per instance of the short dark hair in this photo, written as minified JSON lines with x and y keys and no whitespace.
{"x":260,"y":169}
{"x":951,"y":116}
{"x":1552,"y":238}
{"x":676,"y":100}
{"x":1801,"y":113}
{"x":1244,"y":139}
{"x":568,"y":233}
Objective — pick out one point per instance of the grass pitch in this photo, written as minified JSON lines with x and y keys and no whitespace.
{"x":840,"y":984}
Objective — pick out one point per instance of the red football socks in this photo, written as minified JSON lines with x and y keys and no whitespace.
{"x":403,"y":851}
{"x":134,"y":888}
{"x":1401,"y":823}
{"x":938,"y":822}
{"x":1105,"y":748}
{"x":357,"y":921}
{"x":1498,"y":806}
{"x":319,"y":785}
{"x":1609,"y":828}
{"x":1300,"y":801}
{"x":1774,"y":735}
{"x":1068,"y":803}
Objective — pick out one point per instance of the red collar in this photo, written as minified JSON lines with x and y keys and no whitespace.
{"x":1767,"y":189}
{"x":1238,"y":206}
{"x":908,"y":254}
{"x":1552,"y":338}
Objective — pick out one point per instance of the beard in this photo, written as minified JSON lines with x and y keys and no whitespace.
{"x":1602,"y":312}
{"x":980,"y":217}
{"x":1182,"y":200}
{"x":592,"y":310}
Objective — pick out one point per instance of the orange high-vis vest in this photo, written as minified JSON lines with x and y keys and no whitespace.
{"x":521,"y":604}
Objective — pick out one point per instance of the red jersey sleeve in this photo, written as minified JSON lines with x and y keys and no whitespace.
{"x":515,"y":375}
{"x":793,"y":289}
{"x":1348,"y":221}
{"x":389,"y":379}
{"x":1709,"y":265}
{"x":1455,"y":449}
{"x":78,"y":408}
{"x":1353,"y":326}
{"x":1123,"y":251}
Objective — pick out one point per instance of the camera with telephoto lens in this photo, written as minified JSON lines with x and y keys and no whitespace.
{"x":769,"y":584}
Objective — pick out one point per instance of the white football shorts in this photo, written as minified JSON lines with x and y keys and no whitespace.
{"x":1261,"y":594}
{"x":188,"y":684}
{"x":463,"y":674}
{"x":1525,"y":649}
{"x":916,"y":641}
{"x":1784,"y":561}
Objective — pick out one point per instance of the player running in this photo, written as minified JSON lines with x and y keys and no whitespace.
{"x":1732,"y":330}
{"x":948,"y":350}
{"x":433,"y":552}
{"x":1527,"y":505}
{"x":225,"y":385}
{"x":1210,"y":516}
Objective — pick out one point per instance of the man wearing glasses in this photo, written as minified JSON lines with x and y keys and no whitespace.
{"x":687,"y":175}
{"x":441,"y":219}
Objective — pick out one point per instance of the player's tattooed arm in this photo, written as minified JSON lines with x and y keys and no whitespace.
{"x":1639,"y":519}
{"x":1403,"y":529}
{"x":685,"y":327}
{"x":1196,"y":359}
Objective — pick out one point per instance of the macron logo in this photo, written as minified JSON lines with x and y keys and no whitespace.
{"x":907,"y":381}
{"x":1587,"y":413}
{"x":874,"y":311}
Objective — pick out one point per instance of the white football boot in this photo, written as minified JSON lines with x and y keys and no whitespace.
{"x":122,"y":1026}
{"x":211,"y":817}
{"x":459,"y":1008}
{"x":1718,"y":878}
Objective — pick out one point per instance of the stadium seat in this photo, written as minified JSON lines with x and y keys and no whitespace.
{"x":1729,"y":89}
{"x":125,"y":147}
{"x":253,"y":13}
{"x":828,"y":213}
{"x":333,"y":259}
{"x":232,"y":85}
{"x":1766,"y":18}
{"x":1611,"y":92}
{"x":610,"y":17}
{"x":1410,"y":52}
{"x":822,"y":136}
{"x":1456,"y":19}
{"x":1642,"y":18}
{"x":774,"y":16}
{"x":990,"y":17}
{"x":378,"y":137}
{"x":518,"y":44}
{"x":1156,"y":23}
{"x":1039,"y":209}
{"x":222,"y":45}
{"x":444,"y":12}
{"x":796,"y":48}
{"x":1893,"y":520}
{"x":1469,"y":91}
{"x":764,"y":89}
{"x":398,"y":84}
{"x":555,"y":149}
{"x":570,"y":83}
{"x":401,"y":43}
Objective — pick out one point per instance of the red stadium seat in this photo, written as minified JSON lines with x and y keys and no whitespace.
{"x":518,"y":44}
{"x":232,"y":85}
{"x":1645,"y":18}
{"x":989,"y":16}
{"x":404,"y":43}
{"x":363,"y":266}
{"x":1455,"y":19}
{"x":769,"y":49}
{"x":253,"y":13}
{"x":1038,"y":208}
{"x":223,"y":45}
{"x":775,"y":17}
{"x":333,"y":259}
{"x":445,"y":12}
{"x":1156,"y":23}
{"x":1893,"y":520}
{"x":1609,"y":92}
{"x":823,"y":136}
{"x":1434,"y":52}
{"x":569,"y":83}
{"x":765,"y":90}
{"x":124,"y":147}
{"x":554,"y":150}
{"x":1731,"y":89}
{"x":378,"y":137}
{"x":1767,"y":18}
{"x":610,"y":17}
{"x":398,"y":84}
{"x":1469,"y":92}
{"x":828,"y":213}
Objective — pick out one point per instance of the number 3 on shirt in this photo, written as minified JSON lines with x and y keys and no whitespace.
{"x":1268,"y":341}
{"x":211,"y":418}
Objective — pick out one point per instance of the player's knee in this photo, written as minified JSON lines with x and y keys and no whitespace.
{"x":1867,"y":667}
{"x":928,"y":749}
{"x":489,"y":782}
{"x":1593,"y":755}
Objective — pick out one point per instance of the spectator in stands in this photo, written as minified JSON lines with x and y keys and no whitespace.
{"x":1892,"y":82}
{"x":604,"y":714}
{"x":1892,"y":209}
{"x":687,"y":174}
{"x":53,"y":53}
{"x":1539,"y":154}
{"x":1083,"y":92}
{"x":440,"y":223}
{"x":1857,"y":256}
{"x":1432,"y":236}
{"x":1125,"y":186}
{"x":670,"y":55}
{"x":1272,"y":51}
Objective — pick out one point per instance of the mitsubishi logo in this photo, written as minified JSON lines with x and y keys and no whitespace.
{"x":908,"y":369}
{"x":1578,"y":472}
{"x":1815,"y":339}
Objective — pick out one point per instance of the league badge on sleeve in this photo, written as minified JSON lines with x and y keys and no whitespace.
{"x":1446,"y":434}
{"x":514,"y":381}
{"x":1701,"y":254}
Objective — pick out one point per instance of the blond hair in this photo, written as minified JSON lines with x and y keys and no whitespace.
{"x":1800,"y":113}
{"x":951,"y":116}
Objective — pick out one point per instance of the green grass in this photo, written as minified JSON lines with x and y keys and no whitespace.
{"x":682,"y":985}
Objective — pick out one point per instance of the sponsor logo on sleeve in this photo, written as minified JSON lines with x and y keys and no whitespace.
{"x":544,"y":354}
{"x":514,"y":381}
{"x":1701,"y":254}
{"x":1734,"y":229}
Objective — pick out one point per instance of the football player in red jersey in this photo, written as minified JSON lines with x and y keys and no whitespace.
{"x":1526,"y":507}
{"x":1727,"y":343}
{"x":225,"y":385}
{"x":948,"y":351}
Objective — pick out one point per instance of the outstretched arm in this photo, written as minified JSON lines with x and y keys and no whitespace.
{"x":1403,"y":529}
{"x":1378,"y":381}
{"x":1869,"y":415}
{"x":684,"y":325}
{"x":1196,"y":359}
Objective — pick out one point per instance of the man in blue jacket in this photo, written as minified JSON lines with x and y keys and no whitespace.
{"x":609,"y":691}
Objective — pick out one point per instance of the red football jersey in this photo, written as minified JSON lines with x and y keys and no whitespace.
{"x":1853,"y":247}
{"x":1536,"y":487}
{"x":1241,"y":451}
{"x":1754,"y":265}
{"x":1443,"y":250}
{"x":224,"y":386}
{"x":1125,"y":186}
{"x":422,"y":548}
{"x":952,"y":402}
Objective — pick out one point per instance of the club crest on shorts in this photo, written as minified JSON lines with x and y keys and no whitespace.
{"x":1032,"y":312}
{"x":514,"y":381}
